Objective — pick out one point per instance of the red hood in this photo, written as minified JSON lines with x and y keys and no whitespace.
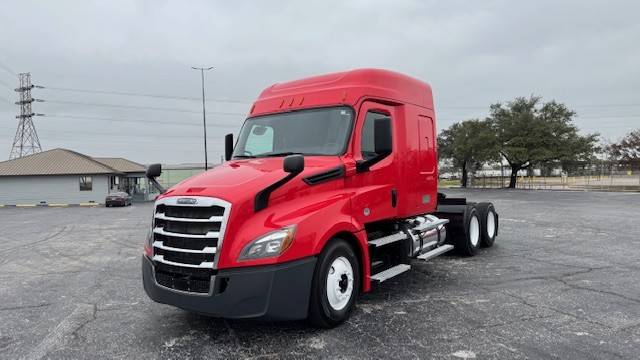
{"x":237,"y":179}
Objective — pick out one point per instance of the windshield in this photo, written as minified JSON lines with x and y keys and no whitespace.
{"x":309,"y":132}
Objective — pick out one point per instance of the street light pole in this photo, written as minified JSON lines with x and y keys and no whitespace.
{"x":204,"y":115}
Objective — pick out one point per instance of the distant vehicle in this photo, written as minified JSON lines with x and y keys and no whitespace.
{"x":118,"y":198}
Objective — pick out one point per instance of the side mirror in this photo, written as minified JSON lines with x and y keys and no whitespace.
{"x":293,"y":164}
{"x":382,"y":136}
{"x":228,"y":146}
{"x":154,"y":170}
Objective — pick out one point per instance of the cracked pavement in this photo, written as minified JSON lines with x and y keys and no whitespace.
{"x":562,"y":281}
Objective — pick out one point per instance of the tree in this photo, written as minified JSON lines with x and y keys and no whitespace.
{"x":532,"y":133}
{"x":468,"y":143}
{"x":627,"y":150}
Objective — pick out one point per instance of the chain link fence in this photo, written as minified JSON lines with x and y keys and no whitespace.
{"x":599,"y":176}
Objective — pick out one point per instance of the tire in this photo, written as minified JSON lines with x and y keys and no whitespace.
{"x":488,"y":223}
{"x":467,"y":242}
{"x":329,"y":308}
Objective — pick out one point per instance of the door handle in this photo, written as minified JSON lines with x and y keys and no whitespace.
{"x":394,"y":197}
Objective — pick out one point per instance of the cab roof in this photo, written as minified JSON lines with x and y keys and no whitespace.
{"x":347,"y":87}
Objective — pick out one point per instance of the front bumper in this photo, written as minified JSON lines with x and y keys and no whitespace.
{"x":273,"y":292}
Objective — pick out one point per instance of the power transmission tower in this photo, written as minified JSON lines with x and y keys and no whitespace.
{"x":26,"y":141}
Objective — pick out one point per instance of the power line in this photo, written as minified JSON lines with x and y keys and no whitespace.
{"x":8,"y":69}
{"x":571,"y":106}
{"x":159,"y":96}
{"x":230,"y":125}
{"x":238,"y":113}
{"x":605,"y":105}
{"x":110,"y":119}
{"x":237,"y":101}
{"x":117,"y":134}
{"x":6,"y":85}
{"x":578,"y":117}
{"x":140,"y":107}
{"x":606,"y":116}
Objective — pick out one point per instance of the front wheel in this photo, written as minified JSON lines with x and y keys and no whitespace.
{"x":335,"y":285}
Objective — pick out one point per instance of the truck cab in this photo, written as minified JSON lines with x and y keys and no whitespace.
{"x":332,"y":185}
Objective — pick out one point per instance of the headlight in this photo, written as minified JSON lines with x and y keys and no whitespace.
{"x":271,"y":244}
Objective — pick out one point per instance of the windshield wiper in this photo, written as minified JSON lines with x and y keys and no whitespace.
{"x":286,"y":153}
{"x":244,"y":157}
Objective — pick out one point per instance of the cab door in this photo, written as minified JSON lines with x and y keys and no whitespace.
{"x":375,"y":191}
{"x":427,"y":164}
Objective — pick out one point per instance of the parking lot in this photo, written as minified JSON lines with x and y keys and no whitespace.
{"x":562,"y":281}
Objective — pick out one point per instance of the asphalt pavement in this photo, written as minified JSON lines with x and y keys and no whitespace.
{"x":562,"y":281}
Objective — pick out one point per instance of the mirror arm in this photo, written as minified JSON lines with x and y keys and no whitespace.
{"x":157,"y":185}
{"x":261,"y":200}
{"x":364,"y":165}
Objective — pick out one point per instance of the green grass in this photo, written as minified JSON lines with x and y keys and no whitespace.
{"x":445,"y":183}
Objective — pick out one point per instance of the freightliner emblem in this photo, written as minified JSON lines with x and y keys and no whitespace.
{"x":187,"y":201}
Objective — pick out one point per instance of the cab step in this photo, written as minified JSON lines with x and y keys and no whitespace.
{"x":388,"y":239}
{"x":435,"y":252}
{"x":390,"y":272}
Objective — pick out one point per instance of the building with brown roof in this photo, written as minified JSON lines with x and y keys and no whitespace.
{"x":68,"y":177}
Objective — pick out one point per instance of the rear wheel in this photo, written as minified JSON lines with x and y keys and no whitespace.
{"x":488,"y":223}
{"x":467,"y":242}
{"x":336,"y":282}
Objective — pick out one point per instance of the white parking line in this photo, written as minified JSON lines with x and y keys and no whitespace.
{"x":60,"y":335}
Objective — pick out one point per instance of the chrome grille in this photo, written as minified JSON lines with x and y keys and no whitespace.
{"x":188,"y":232}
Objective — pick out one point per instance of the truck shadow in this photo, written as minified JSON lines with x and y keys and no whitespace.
{"x":423,"y":280}
{"x":217,"y":326}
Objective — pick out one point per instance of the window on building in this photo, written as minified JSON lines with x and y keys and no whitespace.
{"x":86,"y":183}
{"x":367,"y":143}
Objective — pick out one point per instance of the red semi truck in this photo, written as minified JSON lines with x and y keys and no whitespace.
{"x":331,"y":186}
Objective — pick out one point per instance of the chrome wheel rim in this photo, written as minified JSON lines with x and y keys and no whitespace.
{"x":491,"y":224}
{"x":339,"y":283}
{"x":474,"y":231}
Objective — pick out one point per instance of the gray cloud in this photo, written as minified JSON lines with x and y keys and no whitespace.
{"x":472,"y":53}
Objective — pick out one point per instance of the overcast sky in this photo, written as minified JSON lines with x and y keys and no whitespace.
{"x":473,"y":53}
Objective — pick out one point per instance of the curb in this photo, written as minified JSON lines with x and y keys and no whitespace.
{"x":58,"y":205}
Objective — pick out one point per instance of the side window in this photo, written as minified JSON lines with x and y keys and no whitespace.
{"x":86,"y":183}
{"x":367,"y":142}
{"x":259,"y":141}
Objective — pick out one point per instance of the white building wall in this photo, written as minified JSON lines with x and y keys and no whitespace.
{"x":63,"y":189}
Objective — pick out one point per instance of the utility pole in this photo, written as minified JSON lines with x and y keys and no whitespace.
{"x":204,"y":115}
{"x":26,"y":141}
